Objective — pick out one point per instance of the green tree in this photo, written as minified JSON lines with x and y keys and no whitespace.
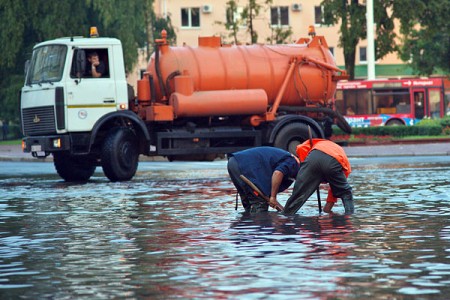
{"x":352,"y":29}
{"x":122,"y":20}
{"x":25,"y":23}
{"x":11,"y":33}
{"x":425,"y":28}
{"x":250,"y":13}
{"x":149,"y":17}
{"x":352,"y":16}
{"x":279,"y":35}
{"x":232,"y":23}
{"x":28,"y":22}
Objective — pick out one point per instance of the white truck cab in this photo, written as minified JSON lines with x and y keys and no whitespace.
{"x":57,"y":100}
{"x":64,"y":109}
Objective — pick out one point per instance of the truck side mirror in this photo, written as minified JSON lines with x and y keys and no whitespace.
{"x":80,"y":62}
{"x":27,"y":66}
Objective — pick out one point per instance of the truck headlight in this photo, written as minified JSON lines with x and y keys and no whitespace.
{"x":57,"y":143}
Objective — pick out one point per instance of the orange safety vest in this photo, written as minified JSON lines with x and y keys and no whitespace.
{"x":327,"y":147}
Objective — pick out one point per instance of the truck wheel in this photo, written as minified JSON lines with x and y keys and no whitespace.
{"x":120,"y":155}
{"x":291,"y":135}
{"x":73,"y":168}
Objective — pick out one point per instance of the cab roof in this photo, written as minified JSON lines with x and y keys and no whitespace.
{"x":81,"y":41}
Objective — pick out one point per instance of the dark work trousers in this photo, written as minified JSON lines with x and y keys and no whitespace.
{"x":245,"y":192}
{"x":318,"y":167}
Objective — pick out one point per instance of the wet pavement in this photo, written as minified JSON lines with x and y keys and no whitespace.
{"x":173,"y":232}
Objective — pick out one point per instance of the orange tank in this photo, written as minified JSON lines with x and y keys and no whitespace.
{"x":230,"y":71}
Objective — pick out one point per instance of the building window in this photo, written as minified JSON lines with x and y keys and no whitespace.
{"x":331,"y":50}
{"x":190,"y":17}
{"x":318,"y":15}
{"x":362,"y":54}
{"x":279,"y":16}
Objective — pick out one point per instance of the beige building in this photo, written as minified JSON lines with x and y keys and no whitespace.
{"x":194,"y":18}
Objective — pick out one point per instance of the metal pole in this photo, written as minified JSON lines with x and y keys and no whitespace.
{"x":370,"y":41}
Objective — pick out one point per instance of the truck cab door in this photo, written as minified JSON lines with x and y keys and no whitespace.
{"x":89,"y":98}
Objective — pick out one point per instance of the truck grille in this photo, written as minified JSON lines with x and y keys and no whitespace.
{"x":38,"y":120}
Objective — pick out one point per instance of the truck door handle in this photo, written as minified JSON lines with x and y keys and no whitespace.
{"x":108,"y":100}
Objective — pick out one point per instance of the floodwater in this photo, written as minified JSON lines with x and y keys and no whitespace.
{"x":173,"y":233}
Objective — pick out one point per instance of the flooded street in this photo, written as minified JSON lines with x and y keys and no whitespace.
{"x":173,"y":232}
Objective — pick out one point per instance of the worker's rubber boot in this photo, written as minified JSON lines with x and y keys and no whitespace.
{"x":259,"y":207}
{"x":255,"y":204}
{"x":347,"y":200}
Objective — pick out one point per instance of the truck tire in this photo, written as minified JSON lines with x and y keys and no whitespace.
{"x":120,"y":155}
{"x":73,"y":168}
{"x":291,"y":135}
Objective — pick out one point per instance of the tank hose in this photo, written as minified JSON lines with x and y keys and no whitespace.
{"x":170,"y":77}
{"x":152,"y":89}
{"x":158,"y":72}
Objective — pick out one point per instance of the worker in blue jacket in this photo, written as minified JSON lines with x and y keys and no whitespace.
{"x":271,"y":169}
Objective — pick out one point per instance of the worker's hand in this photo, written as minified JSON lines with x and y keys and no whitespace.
{"x":273,"y":201}
{"x":95,"y":61}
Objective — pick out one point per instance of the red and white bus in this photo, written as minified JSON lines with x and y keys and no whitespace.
{"x":392,"y":101}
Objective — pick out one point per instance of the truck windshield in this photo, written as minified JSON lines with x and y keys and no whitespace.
{"x":47,"y":64}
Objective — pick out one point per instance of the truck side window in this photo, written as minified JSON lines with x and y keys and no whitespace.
{"x":97,"y":64}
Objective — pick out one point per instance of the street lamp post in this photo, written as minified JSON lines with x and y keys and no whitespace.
{"x":370,"y":41}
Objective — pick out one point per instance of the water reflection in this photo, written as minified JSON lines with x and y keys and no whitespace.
{"x":173,"y":233}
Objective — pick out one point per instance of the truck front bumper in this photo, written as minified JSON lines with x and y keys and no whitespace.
{"x":41,"y":146}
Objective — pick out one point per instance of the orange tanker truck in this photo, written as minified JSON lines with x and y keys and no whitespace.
{"x":192,"y":102}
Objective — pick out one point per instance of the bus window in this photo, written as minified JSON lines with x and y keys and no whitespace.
{"x":339,"y":101}
{"x":434,"y":96}
{"x":350,"y":102}
{"x":391,"y":101}
{"x":357,"y":102}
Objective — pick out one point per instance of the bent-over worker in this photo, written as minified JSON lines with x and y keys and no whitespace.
{"x":270,"y":169}
{"x":324,"y":162}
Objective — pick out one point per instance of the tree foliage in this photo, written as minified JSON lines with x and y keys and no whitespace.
{"x":352,"y":16}
{"x":384,"y":29}
{"x":11,"y":12}
{"x":352,"y":29}
{"x":28,"y":22}
{"x":425,"y":28}
{"x":279,"y":35}
{"x":232,"y":22}
{"x":247,"y":17}
{"x":425,"y":31}
{"x":250,"y":13}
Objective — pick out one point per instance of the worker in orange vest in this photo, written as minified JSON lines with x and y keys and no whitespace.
{"x":324,"y":161}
